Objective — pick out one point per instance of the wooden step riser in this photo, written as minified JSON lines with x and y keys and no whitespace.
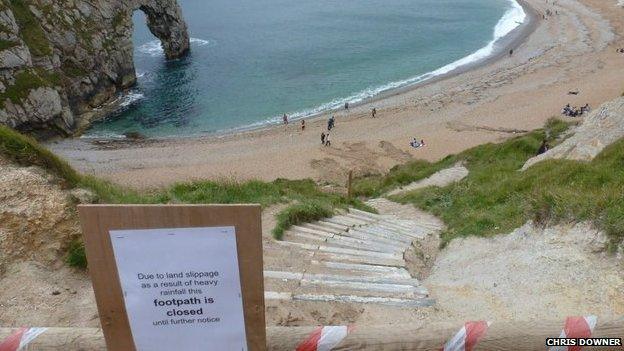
{"x":340,"y":278}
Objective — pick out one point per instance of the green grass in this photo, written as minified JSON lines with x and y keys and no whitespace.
{"x":7,"y":44}
{"x":30,"y":29}
{"x":27,"y":80}
{"x":26,"y":151}
{"x":497,"y":198}
{"x":300,"y":213}
{"x":307,"y":201}
{"x":377,"y":185}
{"x":76,"y":256}
{"x":73,"y":70}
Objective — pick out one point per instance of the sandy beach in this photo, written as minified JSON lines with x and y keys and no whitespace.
{"x":572,"y":50}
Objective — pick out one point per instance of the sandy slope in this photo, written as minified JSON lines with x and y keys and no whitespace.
{"x":530,"y":274}
{"x":574,"y":50}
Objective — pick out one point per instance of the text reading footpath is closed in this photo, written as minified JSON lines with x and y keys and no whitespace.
{"x":181,"y":288}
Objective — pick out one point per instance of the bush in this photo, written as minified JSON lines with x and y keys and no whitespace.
{"x":300,"y":213}
{"x":76,"y":255}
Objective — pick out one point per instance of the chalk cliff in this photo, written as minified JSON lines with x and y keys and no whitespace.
{"x":62,"y":59}
{"x":601,"y":128}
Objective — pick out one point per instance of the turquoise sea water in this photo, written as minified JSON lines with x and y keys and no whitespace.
{"x":253,"y":60}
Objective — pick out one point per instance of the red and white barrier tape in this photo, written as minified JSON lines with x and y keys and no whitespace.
{"x":22,"y":337}
{"x":324,"y":338}
{"x":576,"y":327}
{"x":467,"y":337}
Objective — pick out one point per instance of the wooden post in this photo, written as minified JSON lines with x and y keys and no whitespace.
{"x":349,"y":185}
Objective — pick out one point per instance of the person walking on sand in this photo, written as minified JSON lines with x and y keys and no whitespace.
{"x":327,"y":141}
{"x":346,"y":105}
{"x":285,"y":119}
{"x":330,"y":123}
{"x":303,"y":125}
{"x":322,"y":138}
{"x":374,"y":112}
{"x":511,"y":52}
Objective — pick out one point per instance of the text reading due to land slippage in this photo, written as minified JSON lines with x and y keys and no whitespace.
{"x":181,"y":284}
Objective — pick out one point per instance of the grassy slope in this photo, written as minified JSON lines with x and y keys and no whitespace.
{"x":497,"y":198}
{"x":30,"y":29}
{"x":307,"y":201}
{"x":494,"y":198}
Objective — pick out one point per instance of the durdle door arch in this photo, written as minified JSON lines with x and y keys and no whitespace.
{"x":83,"y":56}
{"x":165,"y":21}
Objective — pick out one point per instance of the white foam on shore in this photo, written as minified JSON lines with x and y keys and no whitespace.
{"x":154,"y":49}
{"x":103,"y":135}
{"x":123,"y":102}
{"x":513,"y":18}
{"x":131,"y":98}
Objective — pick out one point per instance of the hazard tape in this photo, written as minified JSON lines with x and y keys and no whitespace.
{"x":576,"y":327}
{"x":323,"y":338}
{"x":22,"y":337}
{"x":467,"y":337}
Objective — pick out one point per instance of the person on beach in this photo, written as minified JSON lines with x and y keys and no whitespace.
{"x":422,"y":142}
{"x":543,"y":148}
{"x":330,"y":123}
{"x":510,"y":52}
{"x":327,"y":141}
{"x":285,"y":119}
{"x":374,"y":112}
{"x":322,"y":138}
{"x":346,"y":105}
{"x":303,"y":125}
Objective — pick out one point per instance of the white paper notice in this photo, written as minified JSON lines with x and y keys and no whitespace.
{"x":181,"y":288}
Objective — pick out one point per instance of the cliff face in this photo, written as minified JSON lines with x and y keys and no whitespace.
{"x":601,"y":128}
{"x":62,"y":59}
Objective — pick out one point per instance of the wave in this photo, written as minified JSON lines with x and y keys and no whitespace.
{"x":131,"y":98}
{"x":513,"y":18}
{"x":103,"y":135}
{"x":154,"y":49}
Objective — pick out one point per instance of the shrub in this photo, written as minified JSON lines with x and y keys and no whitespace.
{"x":300,"y":213}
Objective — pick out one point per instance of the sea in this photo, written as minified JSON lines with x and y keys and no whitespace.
{"x":252,"y":61}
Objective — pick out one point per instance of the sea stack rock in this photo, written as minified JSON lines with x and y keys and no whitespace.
{"x":61,"y":60}
{"x":164,"y":19}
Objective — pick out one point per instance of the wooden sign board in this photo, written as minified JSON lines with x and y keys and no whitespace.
{"x":107,"y":232}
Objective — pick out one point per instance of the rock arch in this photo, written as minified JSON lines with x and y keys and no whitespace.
{"x":165,"y":21}
{"x":74,"y":58}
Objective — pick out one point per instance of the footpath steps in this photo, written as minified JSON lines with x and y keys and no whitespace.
{"x":440,"y":179}
{"x":355,"y":257}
